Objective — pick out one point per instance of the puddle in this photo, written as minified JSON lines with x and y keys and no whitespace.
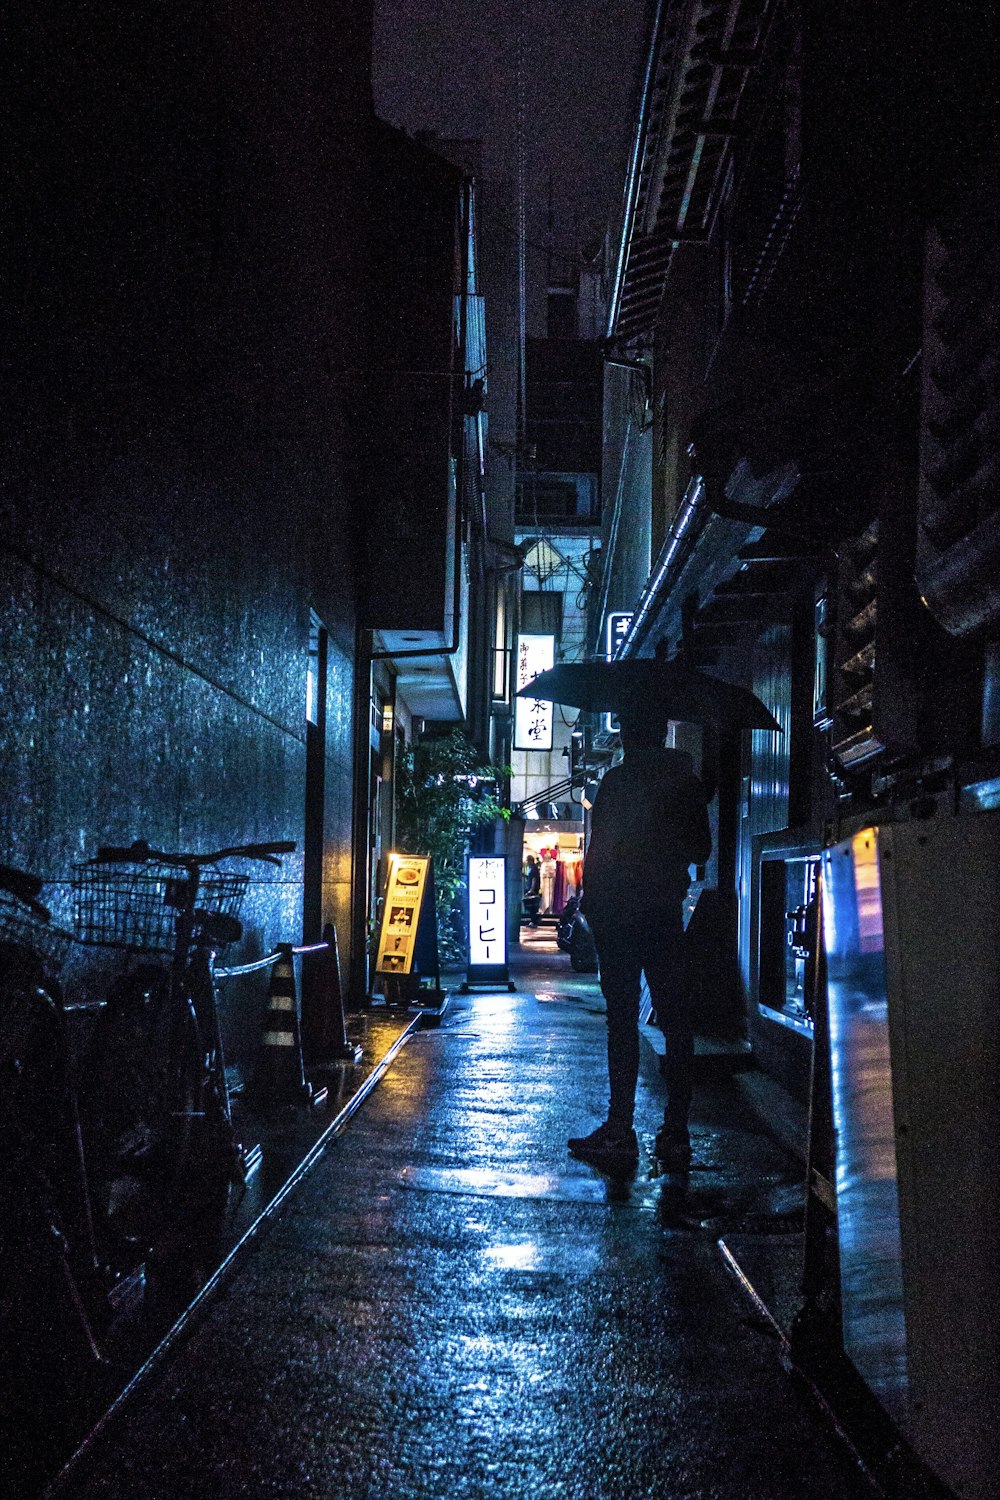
{"x":482,"y":1182}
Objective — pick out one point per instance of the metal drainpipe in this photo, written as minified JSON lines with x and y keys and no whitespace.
{"x":616,"y":516}
{"x":673,"y":554}
{"x":630,"y":427}
{"x":360,"y":797}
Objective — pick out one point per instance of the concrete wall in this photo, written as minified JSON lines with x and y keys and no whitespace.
{"x":416,"y":255}
{"x":186,"y":193}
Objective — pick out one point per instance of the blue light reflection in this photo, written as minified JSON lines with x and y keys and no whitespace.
{"x":874,"y":1324}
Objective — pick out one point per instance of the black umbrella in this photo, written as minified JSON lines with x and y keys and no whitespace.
{"x":643,"y":684}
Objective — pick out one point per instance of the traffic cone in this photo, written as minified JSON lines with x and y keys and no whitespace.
{"x":279,"y":1077}
{"x":324,"y":1024}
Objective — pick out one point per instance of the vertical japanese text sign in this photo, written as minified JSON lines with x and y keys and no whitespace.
{"x":533,"y":716}
{"x":616,"y":628}
{"x":487,"y":913}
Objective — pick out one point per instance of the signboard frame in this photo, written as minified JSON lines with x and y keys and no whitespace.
{"x":406,"y":887}
{"x":407,"y":956}
{"x":487,"y":915}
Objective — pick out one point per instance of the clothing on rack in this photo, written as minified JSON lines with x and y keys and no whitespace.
{"x":559,"y":889}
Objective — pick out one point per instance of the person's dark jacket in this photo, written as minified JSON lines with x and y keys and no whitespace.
{"x":649,"y":824}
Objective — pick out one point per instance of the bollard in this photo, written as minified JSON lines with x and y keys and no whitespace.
{"x":326,"y":1033}
{"x":279,"y":1077}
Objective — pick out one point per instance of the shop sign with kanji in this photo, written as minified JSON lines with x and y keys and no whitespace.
{"x":487,"y":911}
{"x":533,"y":716}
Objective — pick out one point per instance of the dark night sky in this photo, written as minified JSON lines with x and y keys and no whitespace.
{"x":450,"y":66}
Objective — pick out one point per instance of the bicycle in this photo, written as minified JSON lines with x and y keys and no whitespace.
{"x":158,"y":1106}
{"x":48,"y":1244}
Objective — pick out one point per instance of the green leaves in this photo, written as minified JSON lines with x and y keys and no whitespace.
{"x":443,"y":793}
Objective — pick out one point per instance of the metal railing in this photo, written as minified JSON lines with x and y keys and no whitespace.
{"x":554,"y":793}
{"x":324,"y":1022}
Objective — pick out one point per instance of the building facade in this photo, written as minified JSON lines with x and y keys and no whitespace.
{"x":804,"y":238}
{"x":242,"y":462}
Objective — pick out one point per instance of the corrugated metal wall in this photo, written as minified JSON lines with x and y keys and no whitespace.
{"x":764,"y":795}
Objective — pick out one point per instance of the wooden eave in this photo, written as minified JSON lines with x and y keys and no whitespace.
{"x":703,"y":51}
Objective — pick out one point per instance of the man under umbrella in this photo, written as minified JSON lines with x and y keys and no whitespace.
{"x":649,"y":825}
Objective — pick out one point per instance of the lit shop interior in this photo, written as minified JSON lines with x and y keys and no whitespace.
{"x":558,"y":847}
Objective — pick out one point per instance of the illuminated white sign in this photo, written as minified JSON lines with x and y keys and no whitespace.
{"x":616,"y":628}
{"x":533,"y":716}
{"x":487,"y":912}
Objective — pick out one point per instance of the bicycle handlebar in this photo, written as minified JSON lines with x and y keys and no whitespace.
{"x":117,"y":854}
{"x":140,"y":853}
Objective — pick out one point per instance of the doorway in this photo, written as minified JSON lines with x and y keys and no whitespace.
{"x":313,"y":832}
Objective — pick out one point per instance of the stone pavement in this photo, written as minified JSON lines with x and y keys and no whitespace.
{"x":451,"y":1306}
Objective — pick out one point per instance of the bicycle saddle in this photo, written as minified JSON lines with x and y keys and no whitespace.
{"x":24,"y":886}
{"x":218,"y":928}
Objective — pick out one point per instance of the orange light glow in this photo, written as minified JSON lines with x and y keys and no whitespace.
{"x":868,"y":890}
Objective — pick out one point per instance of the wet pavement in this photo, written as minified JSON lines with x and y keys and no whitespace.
{"x":450,"y":1306}
{"x":53,"y":1396}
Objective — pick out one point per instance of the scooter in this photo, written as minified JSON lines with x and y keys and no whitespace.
{"x":573,"y":936}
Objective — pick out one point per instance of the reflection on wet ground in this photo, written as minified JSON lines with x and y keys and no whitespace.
{"x":452,"y":1306}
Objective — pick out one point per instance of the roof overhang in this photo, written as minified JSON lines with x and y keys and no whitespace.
{"x":431,"y":682}
{"x":700,"y":53}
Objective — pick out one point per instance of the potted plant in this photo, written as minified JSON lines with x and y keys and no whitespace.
{"x":443,"y":794}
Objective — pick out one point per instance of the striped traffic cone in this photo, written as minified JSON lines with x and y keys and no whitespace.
{"x":324,"y":1025}
{"x":279,"y":1077}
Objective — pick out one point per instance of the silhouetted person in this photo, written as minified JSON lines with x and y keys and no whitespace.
{"x":649,"y":824}
{"x":532,"y":890}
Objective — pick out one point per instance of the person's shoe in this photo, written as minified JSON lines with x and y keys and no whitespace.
{"x":672,"y":1150}
{"x":608,"y":1143}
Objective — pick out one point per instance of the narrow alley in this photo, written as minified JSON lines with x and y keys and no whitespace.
{"x":450,"y":1305}
{"x":491,"y":492}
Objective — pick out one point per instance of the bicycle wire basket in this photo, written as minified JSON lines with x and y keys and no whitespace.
{"x":135,"y":906}
{"x":28,"y":937}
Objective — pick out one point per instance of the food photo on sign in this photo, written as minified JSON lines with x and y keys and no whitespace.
{"x":404,"y":893}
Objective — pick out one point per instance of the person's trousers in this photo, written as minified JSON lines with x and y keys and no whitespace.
{"x":628,"y":947}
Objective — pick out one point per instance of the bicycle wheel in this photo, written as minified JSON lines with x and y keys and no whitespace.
{"x":219,"y":1156}
{"x":50,"y":1297}
{"x":143,"y":1105}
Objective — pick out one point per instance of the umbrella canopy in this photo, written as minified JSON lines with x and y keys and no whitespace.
{"x":666,"y":687}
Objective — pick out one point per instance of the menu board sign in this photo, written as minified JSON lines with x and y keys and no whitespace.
{"x":406,"y":882}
